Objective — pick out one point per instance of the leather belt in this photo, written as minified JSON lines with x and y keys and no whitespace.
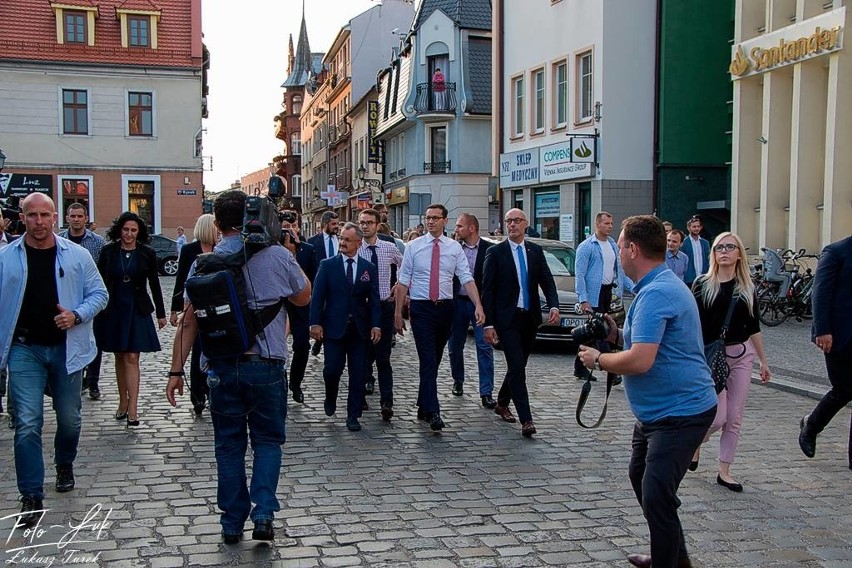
{"x":435,"y":303}
{"x":255,"y":358}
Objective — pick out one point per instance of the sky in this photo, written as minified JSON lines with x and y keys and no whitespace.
{"x":248,"y":62}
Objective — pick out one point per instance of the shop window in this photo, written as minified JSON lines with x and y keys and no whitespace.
{"x":75,"y":111}
{"x":546,"y":218}
{"x":75,"y":190}
{"x":140,"y":112}
{"x":140,"y":197}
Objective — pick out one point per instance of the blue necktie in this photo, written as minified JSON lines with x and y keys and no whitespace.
{"x":330,"y":246}
{"x":350,"y":272}
{"x":522,"y":263}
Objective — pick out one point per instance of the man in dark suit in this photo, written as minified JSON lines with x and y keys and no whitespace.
{"x":306,"y":258}
{"x":514,"y":271}
{"x":467,"y":232}
{"x":325,"y":245}
{"x":832,"y":334}
{"x":697,"y":251}
{"x":345,"y":313}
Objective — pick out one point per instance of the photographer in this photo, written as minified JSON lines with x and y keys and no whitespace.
{"x":666,"y":380}
{"x":247,"y":391}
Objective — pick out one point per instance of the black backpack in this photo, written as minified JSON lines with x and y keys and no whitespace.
{"x":226,"y":325}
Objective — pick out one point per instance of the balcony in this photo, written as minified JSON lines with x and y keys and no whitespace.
{"x":437,"y":167}
{"x":430,"y":101}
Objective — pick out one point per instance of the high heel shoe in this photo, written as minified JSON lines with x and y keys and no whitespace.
{"x":121,"y":415}
{"x":133,"y":422}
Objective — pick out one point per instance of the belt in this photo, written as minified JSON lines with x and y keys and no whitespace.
{"x":255,"y":358}
{"x":435,"y":303}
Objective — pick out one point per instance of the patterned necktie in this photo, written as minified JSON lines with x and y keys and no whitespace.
{"x":374,"y":258}
{"x":350,"y":272}
{"x":522,"y":263}
{"x":330,"y":246}
{"x":435,"y":271}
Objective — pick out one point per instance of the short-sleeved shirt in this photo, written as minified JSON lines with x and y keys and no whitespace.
{"x":678,"y":383}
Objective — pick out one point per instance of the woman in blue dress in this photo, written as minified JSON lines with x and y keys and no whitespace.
{"x":125,"y":327}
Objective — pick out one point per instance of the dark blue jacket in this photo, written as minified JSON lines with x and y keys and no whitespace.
{"x":334,"y":301}
{"x":686,"y":248}
{"x":832,"y":294}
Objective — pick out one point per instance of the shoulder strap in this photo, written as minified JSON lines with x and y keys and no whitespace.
{"x":730,"y":313}
{"x":584,"y":395}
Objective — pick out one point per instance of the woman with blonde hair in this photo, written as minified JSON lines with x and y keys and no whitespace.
{"x":206,"y":236}
{"x":728,"y":280}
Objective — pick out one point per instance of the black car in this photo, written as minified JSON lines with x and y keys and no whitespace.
{"x":167,"y":257}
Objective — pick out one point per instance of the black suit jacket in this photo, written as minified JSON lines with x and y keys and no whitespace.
{"x":500,"y":287}
{"x":188,"y":254}
{"x":306,"y":257}
{"x":832,"y":294}
{"x":147,"y":271}
{"x":477,"y":269}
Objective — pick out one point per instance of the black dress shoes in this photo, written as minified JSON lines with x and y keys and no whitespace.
{"x":263,"y":530}
{"x":298,"y":395}
{"x":232,"y":538}
{"x":352,"y":424}
{"x":95,"y":393}
{"x":436,"y":423}
{"x":64,"y":478}
{"x":458,"y":389}
{"x":504,"y":413}
{"x":330,"y":407}
{"x":31,"y":511}
{"x":733,"y":486}
{"x":644,"y":561}
{"x":387,"y":412}
{"x":422,"y":414}
{"x":488,"y":402}
{"x":370,"y":386}
{"x":807,"y":441}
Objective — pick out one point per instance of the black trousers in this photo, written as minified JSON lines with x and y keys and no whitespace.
{"x":517,"y":341}
{"x":662,"y":451}
{"x":604,"y":299}
{"x":838,"y":363}
{"x":299,"y":329}
{"x":380,"y":354}
{"x":93,"y":372}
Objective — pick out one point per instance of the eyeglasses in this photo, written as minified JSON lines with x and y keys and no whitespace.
{"x":514,"y":220}
{"x":433,"y":218}
{"x":728,"y":247}
{"x":366,"y":222}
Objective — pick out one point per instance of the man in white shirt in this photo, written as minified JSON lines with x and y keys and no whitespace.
{"x":697,"y":251}
{"x":428,"y":267}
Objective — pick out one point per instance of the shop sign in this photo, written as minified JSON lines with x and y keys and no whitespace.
{"x":519,"y":169}
{"x":799,"y":42}
{"x":374,"y":147}
{"x":557,"y":164}
{"x":21,"y":185}
{"x":398,"y":195}
{"x":547,"y":204}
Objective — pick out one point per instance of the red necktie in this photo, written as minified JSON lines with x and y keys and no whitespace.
{"x":435,"y":272}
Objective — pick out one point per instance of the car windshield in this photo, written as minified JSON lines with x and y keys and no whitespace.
{"x":560,"y":260}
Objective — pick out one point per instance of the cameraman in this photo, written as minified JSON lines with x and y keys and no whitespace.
{"x":247,"y":393}
{"x":666,"y":380}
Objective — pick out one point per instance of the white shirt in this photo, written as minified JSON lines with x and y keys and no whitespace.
{"x":608,"y":262}
{"x":354,"y":265}
{"x":697,"y":254}
{"x":519,"y":249}
{"x":334,"y":244}
{"x":417,"y":266}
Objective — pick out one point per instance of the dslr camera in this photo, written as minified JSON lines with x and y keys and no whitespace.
{"x":261,"y":226}
{"x":595,"y":329}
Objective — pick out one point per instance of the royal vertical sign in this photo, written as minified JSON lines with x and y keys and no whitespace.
{"x":374,"y":147}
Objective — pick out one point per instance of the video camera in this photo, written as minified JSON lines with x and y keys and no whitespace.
{"x":11,"y":207}
{"x":261,"y":223}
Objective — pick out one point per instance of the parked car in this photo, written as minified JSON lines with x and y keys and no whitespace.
{"x":560,"y":259}
{"x":167,"y":258}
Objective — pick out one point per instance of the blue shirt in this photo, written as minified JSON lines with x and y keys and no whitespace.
{"x":80,"y":289}
{"x":664,"y":312}
{"x":677,"y":263}
{"x":588,"y":267}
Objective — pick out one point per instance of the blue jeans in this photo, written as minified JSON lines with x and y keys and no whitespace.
{"x":484,"y":352}
{"x":247,"y":396}
{"x":32,"y":368}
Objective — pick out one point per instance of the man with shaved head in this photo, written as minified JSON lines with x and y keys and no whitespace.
{"x":50,"y":290}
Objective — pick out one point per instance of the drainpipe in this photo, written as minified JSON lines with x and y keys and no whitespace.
{"x":656,"y":173}
{"x":501,"y":13}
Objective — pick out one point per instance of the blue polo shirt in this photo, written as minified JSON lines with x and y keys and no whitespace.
{"x":678,"y":384}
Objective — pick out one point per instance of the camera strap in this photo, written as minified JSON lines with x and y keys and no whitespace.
{"x":584,"y":396}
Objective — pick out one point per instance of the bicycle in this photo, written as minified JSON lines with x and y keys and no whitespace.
{"x":784,"y":290}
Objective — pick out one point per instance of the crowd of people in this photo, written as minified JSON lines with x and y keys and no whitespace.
{"x":353,"y":287}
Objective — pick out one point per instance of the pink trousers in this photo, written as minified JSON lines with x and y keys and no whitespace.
{"x":729,"y":412}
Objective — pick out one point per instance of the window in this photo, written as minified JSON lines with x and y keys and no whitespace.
{"x":75,"y":111}
{"x":138,"y":27}
{"x":518,"y":107}
{"x":296,"y":186}
{"x":585,"y":86}
{"x":75,"y":26}
{"x":296,"y":144}
{"x":140,"y":114}
{"x":538,"y":101}
{"x":75,"y":190}
{"x":140,"y":196}
{"x":560,"y":94}
{"x":438,"y":147}
{"x":297,"y":105}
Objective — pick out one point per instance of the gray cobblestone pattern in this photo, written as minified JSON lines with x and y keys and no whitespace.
{"x":477,"y":494}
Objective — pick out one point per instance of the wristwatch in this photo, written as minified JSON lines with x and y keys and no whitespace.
{"x":598,"y":362}
{"x":77,"y":319}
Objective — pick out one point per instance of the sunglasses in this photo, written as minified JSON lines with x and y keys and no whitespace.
{"x":729,"y":247}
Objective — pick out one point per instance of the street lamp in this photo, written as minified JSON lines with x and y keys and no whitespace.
{"x":363,"y":181}
{"x":2,"y":159}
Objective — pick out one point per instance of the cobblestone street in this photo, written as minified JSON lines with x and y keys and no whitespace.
{"x":477,"y":494}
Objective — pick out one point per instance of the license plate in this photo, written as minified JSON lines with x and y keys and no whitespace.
{"x":571,"y":322}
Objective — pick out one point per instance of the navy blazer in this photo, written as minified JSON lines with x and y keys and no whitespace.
{"x":318,"y":242}
{"x":500,"y":284}
{"x":832,"y":294}
{"x":686,"y":248}
{"x":334,"y":300}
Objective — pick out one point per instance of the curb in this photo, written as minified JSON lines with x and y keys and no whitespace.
{"x":793,"y":386}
